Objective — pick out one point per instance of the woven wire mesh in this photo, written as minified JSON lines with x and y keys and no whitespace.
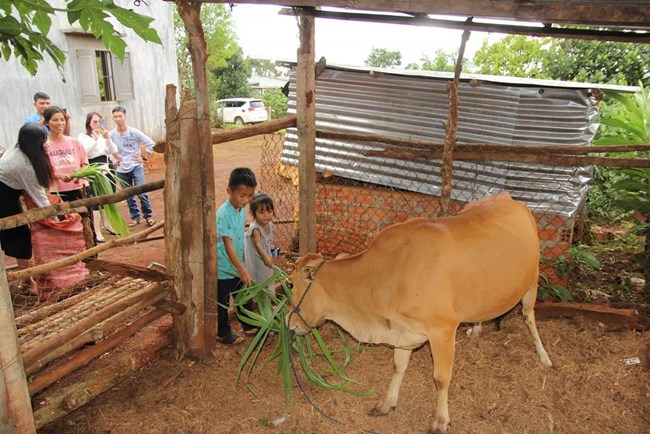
{"x":349,"y":212}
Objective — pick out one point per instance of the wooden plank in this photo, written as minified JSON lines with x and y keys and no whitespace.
{"x":36,"y":214}
{"x":56,"y":403}
{"x":546,"y":31}
{"x":82,"y":358}
{"x":615,"y":319}
{"x":223,"y":136}
{"x":15,"y":405}
{"x":44,"y":268}
{"x":128,"y":270}
{"x":306,"y":124}
{"x":626,"y":13}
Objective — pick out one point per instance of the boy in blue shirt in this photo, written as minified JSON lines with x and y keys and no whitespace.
{"x":231,"y":272}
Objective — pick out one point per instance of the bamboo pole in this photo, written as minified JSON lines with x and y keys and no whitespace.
{"x":306,"y":124}
{"x":60,"y":402}
{"x":223,"y":136}
{"x":16,"y":407}
{"x":81,"y":359}
{"x":36,"y":214}
{"x":130,"y":270}
{"x":51,"y":309}
{"x":29,"y":335}
{"x":56,"y":339}
{"x":95,"y":333}
{"x":539,"y":148}
{"x":40,"y":269}
{"x":551,"y":160}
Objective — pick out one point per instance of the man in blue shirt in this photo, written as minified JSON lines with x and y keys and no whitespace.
{"x":41,"y":103}
{"x":129,"y":163}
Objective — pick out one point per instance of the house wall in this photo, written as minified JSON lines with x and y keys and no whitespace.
{"x":153,"y":67}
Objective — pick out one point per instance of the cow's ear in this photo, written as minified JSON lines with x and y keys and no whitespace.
{"x":309,"y":273}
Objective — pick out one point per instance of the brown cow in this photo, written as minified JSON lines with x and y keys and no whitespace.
{"x":418,"y":280}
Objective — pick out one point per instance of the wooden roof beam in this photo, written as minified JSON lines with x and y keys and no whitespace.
{"x":546,"y":31}
{"x":621,"y":13}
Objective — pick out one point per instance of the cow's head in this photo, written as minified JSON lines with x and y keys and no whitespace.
{"x":304,"y":312}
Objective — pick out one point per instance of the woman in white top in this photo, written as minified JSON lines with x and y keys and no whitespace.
{"x":99,"y":149}
{"x":24,"y":168}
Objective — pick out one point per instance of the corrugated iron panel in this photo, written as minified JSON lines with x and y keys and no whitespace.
{"x":414,"y":106}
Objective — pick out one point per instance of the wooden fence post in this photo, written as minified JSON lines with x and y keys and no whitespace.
{"x":15,"y":406}
{"x":306,"y":123}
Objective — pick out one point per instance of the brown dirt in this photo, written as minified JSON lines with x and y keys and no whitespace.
{"x":498,"y":386}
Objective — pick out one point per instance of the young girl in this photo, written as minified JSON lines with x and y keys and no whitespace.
{"x":259,"y":238}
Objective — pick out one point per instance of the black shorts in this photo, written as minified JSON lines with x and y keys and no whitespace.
{"x":16,"y":242}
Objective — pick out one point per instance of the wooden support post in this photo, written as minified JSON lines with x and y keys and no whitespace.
{"x":184,"y":249}
{"x":15,"y":405}
{"x":85,"y":222}
{"x":306,"y":123}
{"x":199,"y":197}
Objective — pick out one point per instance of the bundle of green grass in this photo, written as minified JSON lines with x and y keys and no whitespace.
{"x":102,"y":184}
{"x":290,"y":350}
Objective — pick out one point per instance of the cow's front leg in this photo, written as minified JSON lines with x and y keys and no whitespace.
{"x":401,"y":360}
{"x":442,"y":352}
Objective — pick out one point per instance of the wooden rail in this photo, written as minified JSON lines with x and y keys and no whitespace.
{"x":36,"y":214}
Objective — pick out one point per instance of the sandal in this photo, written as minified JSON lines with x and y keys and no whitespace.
{"x":133,"y":223}
{"x":150,"y":221}
{"x":231,"y":339}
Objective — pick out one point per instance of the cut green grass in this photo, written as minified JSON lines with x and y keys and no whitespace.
{"x":102,"y":185}
{"x":290,"y":350}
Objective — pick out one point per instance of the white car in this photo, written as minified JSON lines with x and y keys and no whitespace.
{"x":241,"y":111}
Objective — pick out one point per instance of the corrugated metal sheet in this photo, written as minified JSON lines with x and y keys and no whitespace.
{"x":415,"y":105}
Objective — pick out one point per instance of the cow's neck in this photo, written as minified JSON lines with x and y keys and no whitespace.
{"x":344,"y":301}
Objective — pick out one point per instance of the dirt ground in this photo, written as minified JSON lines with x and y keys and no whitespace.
{"x":498,"y":386}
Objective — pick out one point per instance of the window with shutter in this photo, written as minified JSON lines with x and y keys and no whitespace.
{"x":102,"y":77}
{"x":88,"y":80}
{"x":122,"y":78}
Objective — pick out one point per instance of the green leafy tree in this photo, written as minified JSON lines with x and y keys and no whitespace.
{"x":383,"y":58}
{"x":278,"y":102}
{"x":221,"y":44}
{"x":598,"y":61}
{"x":442,"y":61}
{"x":630,"y":124}
{"x":263,"y":67}
{"x":233,"y":78}
{"x":514,"y":55}
{"x":25,"y":24}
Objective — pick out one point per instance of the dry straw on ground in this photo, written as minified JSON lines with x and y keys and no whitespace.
{"x":497,"y":387}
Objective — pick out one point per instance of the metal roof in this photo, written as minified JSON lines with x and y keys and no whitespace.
{"x":414,"y":105}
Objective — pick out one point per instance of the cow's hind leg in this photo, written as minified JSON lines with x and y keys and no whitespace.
{"x":401,"y":360}
{"x":442,"y":351}
{"x":528,"y":309}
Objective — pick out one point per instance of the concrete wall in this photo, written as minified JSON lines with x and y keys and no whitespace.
{"x":153,"y":67}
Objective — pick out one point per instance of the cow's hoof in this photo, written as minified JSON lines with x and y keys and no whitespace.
{"x":375,"y":412}
{"x":439,"y":427}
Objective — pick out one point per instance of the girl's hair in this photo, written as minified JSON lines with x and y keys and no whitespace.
{"x":261,"y":201}
{"x":31,"y":141}
{"x":51,"y":111}
{"x":89,"y":118}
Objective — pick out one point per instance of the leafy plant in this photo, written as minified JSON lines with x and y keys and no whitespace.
{"x":25,"y":24}
{"x":630,"y":124}
{"x":277,"y":101}
{"x":102,"y":185}
{"x":576,"y":258}
{"x":290,"y":351}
